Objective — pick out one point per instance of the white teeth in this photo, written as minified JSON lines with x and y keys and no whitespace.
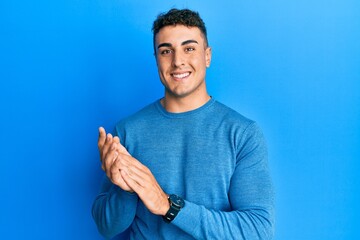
{"x":182,"y":75}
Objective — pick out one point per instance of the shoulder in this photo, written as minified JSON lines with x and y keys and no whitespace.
{"x":243,"y":127}
{"x":230,"y":115}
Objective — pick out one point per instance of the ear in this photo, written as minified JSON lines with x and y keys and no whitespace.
{"x":208,"y":56}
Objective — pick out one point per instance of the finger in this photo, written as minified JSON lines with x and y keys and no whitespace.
{"x":109,"y":160}
{"x":135,"y":170}
{"x":119,"y":146}
{"x":102,"y":137}
{"x":116,"y":162}
{"x":106,"y":146}
{"x":115,"y":176}
{"x":118,"y":180}
{"x":135,"y":186}
{"x":109,"y":139}
{"x":129,"y":161}
{"x":107,"y":165}
{"x":116,"y":139}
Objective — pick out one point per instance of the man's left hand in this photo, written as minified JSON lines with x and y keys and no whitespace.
{"x":139,"y":178}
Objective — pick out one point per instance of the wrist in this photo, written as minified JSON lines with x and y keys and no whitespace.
{"x":165,"y":205}
{"x":176,"y":203}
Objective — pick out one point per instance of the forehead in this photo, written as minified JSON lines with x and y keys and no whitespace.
{"x":177,"y":34}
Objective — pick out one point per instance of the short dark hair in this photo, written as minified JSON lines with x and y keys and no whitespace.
{"x":175,"y":16}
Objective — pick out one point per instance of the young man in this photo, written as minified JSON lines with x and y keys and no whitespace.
{"x":187,"y":166}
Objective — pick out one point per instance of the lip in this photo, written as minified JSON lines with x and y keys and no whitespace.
{"x":180,"y":75}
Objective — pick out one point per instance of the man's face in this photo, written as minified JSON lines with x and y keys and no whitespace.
{"x":182,"y":57}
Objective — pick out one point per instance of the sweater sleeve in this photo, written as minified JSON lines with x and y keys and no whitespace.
{"x":113,"y":209}
{"x":250,"y":195}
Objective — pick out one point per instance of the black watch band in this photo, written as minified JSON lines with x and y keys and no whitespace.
{"x":176,"y":203}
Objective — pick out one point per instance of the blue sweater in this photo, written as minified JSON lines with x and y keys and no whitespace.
{"x":213,"y":157}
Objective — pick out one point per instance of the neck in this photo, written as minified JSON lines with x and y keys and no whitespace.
{"x":184,"y":104}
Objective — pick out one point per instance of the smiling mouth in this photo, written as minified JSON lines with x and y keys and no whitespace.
{"x":180,"y":75}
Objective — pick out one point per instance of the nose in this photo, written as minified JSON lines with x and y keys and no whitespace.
{"x":178,"y":59}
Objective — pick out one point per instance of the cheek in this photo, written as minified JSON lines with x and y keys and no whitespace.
{"x":198,"y":62}
{"x":163,"y":65}
{"x":163,"y":70}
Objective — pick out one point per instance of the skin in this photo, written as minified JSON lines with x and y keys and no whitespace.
{"x":182,"y":57}
{"x":182,"y":50}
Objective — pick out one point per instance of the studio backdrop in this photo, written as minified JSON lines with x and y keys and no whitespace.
{"x":68,"y":67}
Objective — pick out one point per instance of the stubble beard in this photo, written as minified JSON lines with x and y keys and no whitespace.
{"x":183,"y":93}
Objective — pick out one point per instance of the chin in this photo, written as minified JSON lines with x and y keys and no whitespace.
{"x":179,"y":94}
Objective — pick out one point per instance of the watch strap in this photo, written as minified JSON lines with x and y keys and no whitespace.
{"x":173,"y":210}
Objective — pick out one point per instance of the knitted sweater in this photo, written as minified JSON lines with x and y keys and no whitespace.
{"x":213,"y":157}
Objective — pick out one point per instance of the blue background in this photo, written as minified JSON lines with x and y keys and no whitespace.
{"x":67,"y":67}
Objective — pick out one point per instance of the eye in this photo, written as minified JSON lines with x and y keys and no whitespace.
{"x":165,"y":52}
{"x":189,"y":49}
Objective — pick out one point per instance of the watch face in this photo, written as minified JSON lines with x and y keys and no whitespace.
{"x":176,"y":200}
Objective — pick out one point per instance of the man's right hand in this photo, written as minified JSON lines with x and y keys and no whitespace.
{"x":109,"y":148}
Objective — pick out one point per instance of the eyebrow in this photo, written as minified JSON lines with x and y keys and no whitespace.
{"x":182,"y":44}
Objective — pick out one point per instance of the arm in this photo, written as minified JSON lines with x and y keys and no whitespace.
{"x":115,"y":207}
{"x":250,"y":195}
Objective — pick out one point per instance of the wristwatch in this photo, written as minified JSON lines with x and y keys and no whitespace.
{"x":176,"y":203}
